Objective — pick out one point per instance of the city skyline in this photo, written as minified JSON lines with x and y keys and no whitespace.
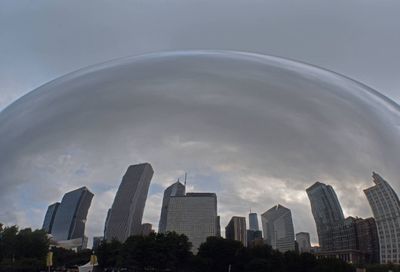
{"x":269,"y":158}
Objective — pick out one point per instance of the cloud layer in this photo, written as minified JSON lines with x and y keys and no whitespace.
{"x":256,"y":130}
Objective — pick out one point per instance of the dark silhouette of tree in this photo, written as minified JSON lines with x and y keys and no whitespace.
{"x":109,"y":254}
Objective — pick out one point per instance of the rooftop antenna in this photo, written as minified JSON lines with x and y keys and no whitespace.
{"x":185,"y":178}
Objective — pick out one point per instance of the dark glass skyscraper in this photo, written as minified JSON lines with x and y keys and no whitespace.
{"x":49,"y":217}
{"x":278,"y":228}
{"x":70,"y":218}
{"x":327,"y":212}
{"x":125,"y":217}
{"x":176,"y":189}
{"x":236,"y":230}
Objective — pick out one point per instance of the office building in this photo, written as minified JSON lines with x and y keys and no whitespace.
{"x":385,"y":207}
{"x":97,"y":240}
{"x":367,"y":239}
{"x":147,"y":228}
{"x":49,"y":217}
{"x":253,"y":221}
{"x":125,"y":217}
{"x":70,"y":219}
{"x":236,"y":230}
{"x":303,"y":242}
{"x":194,"y":215}
{"x":327,"y":212}
{"x":176,"y":189}
{"x":278,"y":228}
{"x":254,"y":238}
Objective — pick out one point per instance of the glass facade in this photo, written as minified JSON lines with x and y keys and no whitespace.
{"x":49,"y":217}
{"x":176,"y":189}
{"x":70,"y":219}
{"x":125,"y":217}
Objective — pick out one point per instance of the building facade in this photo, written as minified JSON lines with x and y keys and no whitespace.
{"x":236,"y":230}
{"x":147,"y":228}
{"x":194,"y":215}
{"x":385,"y":207}
{"x":278,"y":228}
{"x":176,"y":189}
{"x":125,"y":217}
{"x":327,"y":212}
{"x":253,"y":221}
{"x":70,"y":219}
{"x":303,"y":242}
{"x":49,"y":217}
{"x":367,"y":239}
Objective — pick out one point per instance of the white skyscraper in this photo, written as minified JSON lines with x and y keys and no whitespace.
{"x":194,"y":215}
{"x":385,"y":206}
{"x":278,"y":228}
{"x":125,"y":217}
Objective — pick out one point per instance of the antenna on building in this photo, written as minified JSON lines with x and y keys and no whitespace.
{"x":185,"y":178}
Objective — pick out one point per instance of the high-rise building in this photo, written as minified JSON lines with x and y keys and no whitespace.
{"x":367,"y":239}
{"x":303,"y":242}
{"x":327,"y":212}
{"x":97,"y":240}
{"x":253,"y":221}
{"x":254,"y":238}
{"x":49,"y":217}
{"x":385,"y":206}
{"x":176,"y":189}
{"x":125,"y":217}
{"x":236,"y":230}
{"x":70,"y":218}
{"x":194,"y":215}
{"x":278,"y":228}
{"x":147,"y":228}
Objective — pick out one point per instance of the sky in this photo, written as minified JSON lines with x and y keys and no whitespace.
{"x":42,"y":40}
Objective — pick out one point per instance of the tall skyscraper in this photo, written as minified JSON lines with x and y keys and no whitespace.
{"x":367,"y":238}
{"x":70,"y":218}
{"x":194,"y":215}
{"x":176,"y":189}
{"x":49,"y":217}
{"x":303,"y":241}
{"x":125,"y":217}
{"x":278,"y":228}
{"x":253,"y":221}
{"x":236,"y":230}
{"x":385,"y":206}
{"x":327,"y":212}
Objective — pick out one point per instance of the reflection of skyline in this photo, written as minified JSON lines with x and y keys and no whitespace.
{"x":252,"y":129}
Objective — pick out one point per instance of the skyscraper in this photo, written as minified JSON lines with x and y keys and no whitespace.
{"x":253,"y":221}
{"x":327,"y":212}
{"x":49,"y":217}
{"x":176,"y":189}
{"x":385,"y":206}
{"x":125,"y":217}
{"x":303,"y":241}
{"x":236,"y":230}
{"x":194,"y":215}
{"x":70,"y":218}
{"x":278,"y":228}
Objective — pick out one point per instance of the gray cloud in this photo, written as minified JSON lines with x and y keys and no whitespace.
{"x":255,"y":130}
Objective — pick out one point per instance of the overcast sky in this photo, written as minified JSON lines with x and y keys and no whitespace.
{"x":42,"y":40}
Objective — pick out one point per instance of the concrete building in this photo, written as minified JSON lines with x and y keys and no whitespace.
{"x":303,"y":242}
{"x":327,"y":212}
{"x":49,"y":217}
{"x":236,"y":230}
{"x":176,"y":189}
{"x":125,"y":217}
{"x":278,"y":228}
{"x":70,"y":218}
{"x":385,"y":207}
{"x":367,"y":239}
{"x":194,"y":215}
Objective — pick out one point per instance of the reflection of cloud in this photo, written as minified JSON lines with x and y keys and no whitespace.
{"x":256,"y":130}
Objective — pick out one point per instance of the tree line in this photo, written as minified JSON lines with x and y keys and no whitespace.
{"x":26,"y":250}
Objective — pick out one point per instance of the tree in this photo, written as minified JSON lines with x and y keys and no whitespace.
{"x":219,"y":254}
{"x":109,"y":254}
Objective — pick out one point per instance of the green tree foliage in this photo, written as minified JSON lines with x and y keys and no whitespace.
{"x":23,"y":250}
{"x":69,"y":258}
